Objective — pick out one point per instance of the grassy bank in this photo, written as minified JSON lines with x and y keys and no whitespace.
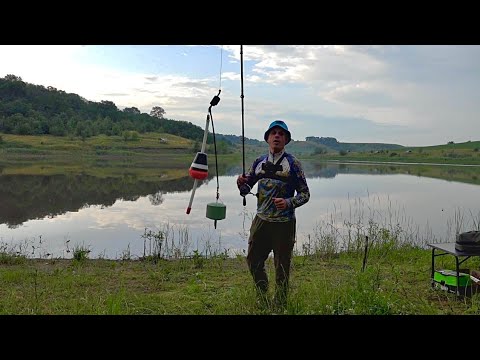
{"x":466,"y":153}
{"x":146,"y":150}
{"x":395,"y":281}
{"x":151,"y":156}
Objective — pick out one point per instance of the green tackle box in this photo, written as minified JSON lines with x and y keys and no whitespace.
{"x":449,"y":278}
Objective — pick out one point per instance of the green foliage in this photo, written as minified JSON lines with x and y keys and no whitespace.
{"x":11,"y":258}
{"x":130,"y":136}
{"x":11,"y":77}
{"x":334,"y":145}
{"x":223,"y":147}
{"x":196,"y":147}
{"x":392,"y":285}
{"x":28,"y":109}
{"x":319,"y":151}
{"x":460,"y":153}
{"x":395,"y":281}
{"x":198,"y":260}
{"x":80,"y":253}
{"x":132,"y":110}
{"x":158,"y":112}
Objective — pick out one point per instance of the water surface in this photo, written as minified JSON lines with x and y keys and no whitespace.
{"x":46,"y":216}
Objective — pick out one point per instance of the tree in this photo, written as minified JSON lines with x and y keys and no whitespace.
{"x":108,"y":105}
{"x":157,"y":112}
{"x":131,"y":110}
{"x":11,"y":77}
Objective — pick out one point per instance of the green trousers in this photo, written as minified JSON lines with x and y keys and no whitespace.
{"x":264,"y":237}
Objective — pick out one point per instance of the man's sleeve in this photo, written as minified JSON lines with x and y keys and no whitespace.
{"x":252,"y":178}
{"x":303,"y":192}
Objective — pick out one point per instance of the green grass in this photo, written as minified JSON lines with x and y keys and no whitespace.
{"x":155,"y":148}
{"x":392,"y":284}
{"x":49,"y":142}
{"x":102,"y":156}
{"x":467,"y":153}
{"x":330,"y":274}
{"x":150,"y":149}
{"x":324,"y":280}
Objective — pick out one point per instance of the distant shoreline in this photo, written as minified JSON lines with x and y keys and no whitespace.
{"x":373,"y":162}
{"x":164,"y":148}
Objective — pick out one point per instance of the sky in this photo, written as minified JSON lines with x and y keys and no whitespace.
{"x":411,"y":95}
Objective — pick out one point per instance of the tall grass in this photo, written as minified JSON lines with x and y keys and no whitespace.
{"x":394,"y":281}
{"x":10,"y":255}
{"x":389,"y":229}
{"x":386,"y":228}
{"x":169,"y":242}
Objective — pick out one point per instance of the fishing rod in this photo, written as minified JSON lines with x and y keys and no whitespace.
{"x":245,"y":189}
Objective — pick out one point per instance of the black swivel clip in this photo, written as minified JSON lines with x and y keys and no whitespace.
{"x":245,"y":190}
{"x":216,"y":99}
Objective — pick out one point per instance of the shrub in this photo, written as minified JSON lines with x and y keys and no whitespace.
{"x":80,"y":252}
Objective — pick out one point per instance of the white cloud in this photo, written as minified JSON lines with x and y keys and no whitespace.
{"x":416,"y":87}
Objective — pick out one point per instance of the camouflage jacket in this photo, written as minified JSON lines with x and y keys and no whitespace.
{"x":279,"y":179}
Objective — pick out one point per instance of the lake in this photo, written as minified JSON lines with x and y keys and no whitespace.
{"x":120,"y":217}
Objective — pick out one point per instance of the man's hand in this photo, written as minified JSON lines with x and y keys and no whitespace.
{"x":280,"y":203}
{"x":241,"y":180}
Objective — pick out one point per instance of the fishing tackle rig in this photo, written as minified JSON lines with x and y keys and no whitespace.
{"x":199,"y":167}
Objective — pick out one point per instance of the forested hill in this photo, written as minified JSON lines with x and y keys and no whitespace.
{"x":334,"y":144}
{"x":28,"y":109}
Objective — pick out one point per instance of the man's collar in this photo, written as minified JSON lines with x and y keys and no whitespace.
{"x":274,"y":157}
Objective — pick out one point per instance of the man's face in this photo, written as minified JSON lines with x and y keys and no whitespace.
{"x":277,"y":137}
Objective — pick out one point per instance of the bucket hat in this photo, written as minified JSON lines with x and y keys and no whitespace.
{"x":280,"y":124}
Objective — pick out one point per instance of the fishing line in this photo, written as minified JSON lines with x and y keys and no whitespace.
{"x":221,"y":62}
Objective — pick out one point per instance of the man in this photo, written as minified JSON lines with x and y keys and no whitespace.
{"x":279,"y":176}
